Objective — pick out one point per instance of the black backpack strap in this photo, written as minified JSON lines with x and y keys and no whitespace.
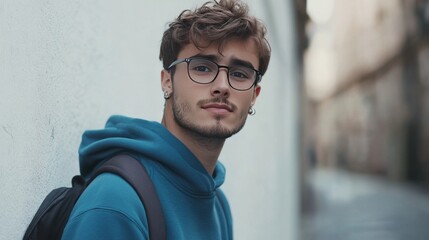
{"x":131,"y":170}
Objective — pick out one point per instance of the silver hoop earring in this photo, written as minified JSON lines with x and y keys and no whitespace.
{"x":166,"y":95}
{"x":251,"y":111}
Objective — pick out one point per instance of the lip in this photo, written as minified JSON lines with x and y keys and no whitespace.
{"x":217,"y":108}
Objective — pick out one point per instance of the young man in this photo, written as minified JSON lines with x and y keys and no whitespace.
{"x":213,"y":59}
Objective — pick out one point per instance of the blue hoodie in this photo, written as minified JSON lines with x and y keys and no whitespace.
{"x":110,"y":209}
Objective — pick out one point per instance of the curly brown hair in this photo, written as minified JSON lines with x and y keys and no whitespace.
{"x":215,"y":22}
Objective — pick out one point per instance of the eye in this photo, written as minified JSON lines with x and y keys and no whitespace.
{"x":241,"y":73}
{"x":201,"y":68}
{"x":238,"y":74}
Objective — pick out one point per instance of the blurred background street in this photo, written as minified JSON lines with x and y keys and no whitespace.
{"x":350,"y":206}
{"x":365,"y":119}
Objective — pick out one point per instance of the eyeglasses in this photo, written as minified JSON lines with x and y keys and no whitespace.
{"x":205,"y":71}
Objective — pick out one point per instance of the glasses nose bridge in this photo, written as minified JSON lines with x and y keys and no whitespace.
{"x":222,"y":66}
{"x":226,"y":70}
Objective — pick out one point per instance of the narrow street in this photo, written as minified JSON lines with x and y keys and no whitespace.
{"x":350,"y":206}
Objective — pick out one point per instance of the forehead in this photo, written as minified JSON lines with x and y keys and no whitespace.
{"x":236,"y":49}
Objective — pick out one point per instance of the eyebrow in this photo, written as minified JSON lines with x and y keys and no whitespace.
{"x":215,"y":58}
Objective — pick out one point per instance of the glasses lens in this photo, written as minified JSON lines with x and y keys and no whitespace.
{"x":202,"y":70}
{"x":205,"y":71}
{"x":241,"y":77}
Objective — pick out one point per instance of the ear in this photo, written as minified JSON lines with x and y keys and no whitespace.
{"x":166,"y":83}
{"x":256,"y":92}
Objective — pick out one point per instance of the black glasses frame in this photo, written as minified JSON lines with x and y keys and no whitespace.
{"x":188,"y":60}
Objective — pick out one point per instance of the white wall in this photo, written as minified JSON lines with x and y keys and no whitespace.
{"x":65,"y":66}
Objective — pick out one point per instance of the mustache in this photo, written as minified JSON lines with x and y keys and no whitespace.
{"x":217,"y":100}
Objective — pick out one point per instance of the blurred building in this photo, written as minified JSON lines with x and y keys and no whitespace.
{"x":366,"y":82}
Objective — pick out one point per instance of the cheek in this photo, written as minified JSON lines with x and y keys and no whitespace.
{"x":246,"y":101}
{"x":185,"y":93}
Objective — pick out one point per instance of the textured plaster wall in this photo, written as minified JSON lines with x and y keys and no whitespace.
{"x":65,"y":66}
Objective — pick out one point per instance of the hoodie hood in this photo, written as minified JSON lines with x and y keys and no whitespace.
{"x":154,"y":142}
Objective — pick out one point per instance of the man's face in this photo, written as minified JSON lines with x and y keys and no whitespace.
{"x":213,"y":110}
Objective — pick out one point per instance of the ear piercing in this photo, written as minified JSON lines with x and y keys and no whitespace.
{"x":166,"y":95}
{"x":251,"y":111}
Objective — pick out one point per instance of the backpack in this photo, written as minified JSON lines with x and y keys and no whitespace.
{"x":51,"y":218}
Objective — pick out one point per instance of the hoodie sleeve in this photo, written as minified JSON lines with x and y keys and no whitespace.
{"x":108,"y":209}
{"x":102,"y":224}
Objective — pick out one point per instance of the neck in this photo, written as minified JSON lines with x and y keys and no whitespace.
{"x":206,"y":149}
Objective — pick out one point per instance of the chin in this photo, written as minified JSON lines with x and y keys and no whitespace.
{"x":220,"y":129}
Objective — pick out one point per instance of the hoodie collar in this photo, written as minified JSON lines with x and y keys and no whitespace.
{"x":152,"y":141}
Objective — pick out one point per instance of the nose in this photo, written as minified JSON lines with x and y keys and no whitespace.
{"x":220,"y":86}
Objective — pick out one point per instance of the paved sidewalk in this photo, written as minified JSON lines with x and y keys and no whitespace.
{"x":350,"y":206}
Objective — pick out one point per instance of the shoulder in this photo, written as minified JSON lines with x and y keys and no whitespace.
{"x":108,"y":189}
{"x":110,"y":203}
{"x":224,"y":205}
{"x":222,"y":198}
